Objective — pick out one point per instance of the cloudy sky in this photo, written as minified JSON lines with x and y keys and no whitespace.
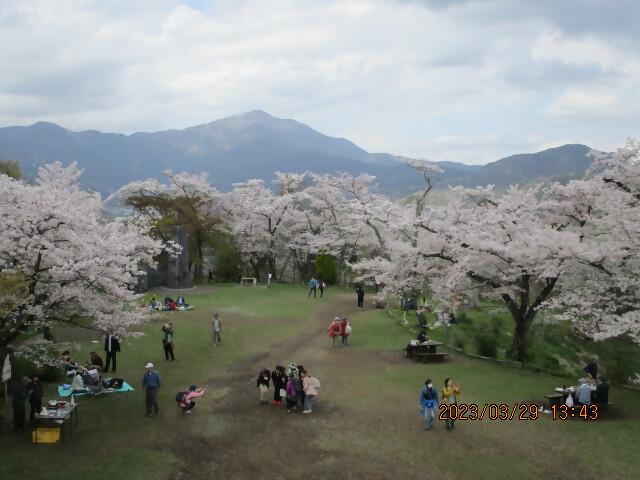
{"x":467,"y":81}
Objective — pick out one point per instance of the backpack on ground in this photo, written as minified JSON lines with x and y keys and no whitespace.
{"x":315,"y":382}
{"x":180,"y":396}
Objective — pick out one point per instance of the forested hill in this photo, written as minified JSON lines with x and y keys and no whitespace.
{"x":255,"y":145}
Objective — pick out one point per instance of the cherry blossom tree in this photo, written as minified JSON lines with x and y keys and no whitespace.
{"x":261,"y":219}
{"x":603,"y":296}
{"x":67,"y":262}
{"x":188,"y":200}
{"x":332,"y":228}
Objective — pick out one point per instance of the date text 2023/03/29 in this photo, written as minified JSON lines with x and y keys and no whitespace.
{"x":493,"y":411}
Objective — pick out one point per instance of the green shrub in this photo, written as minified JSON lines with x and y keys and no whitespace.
{"x":487,"y":345}
{"x":326,"y":269}
{"x":619,"y":369}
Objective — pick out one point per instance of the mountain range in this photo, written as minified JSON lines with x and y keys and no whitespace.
{"x":256,"y":145}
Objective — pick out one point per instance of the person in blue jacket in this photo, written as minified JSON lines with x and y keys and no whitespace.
{"x":428,"y":404}
{"x":313,"y":284}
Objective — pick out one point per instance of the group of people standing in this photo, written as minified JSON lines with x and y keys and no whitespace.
{"x":429,"y":402}
{"x":342,"y":329}
{"x":27,"y":388}
{"x":294,"y":385}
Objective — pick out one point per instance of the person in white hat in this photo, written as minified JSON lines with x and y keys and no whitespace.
{"x":151,"y":382}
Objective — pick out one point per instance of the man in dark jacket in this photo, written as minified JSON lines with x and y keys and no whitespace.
{"x":35,"y":398}
{"x":592,"y":369}
{"x":360,"y":293}
{"x":602,"y":391}
{"x":20,"y":394}
{"x":112,"y":347}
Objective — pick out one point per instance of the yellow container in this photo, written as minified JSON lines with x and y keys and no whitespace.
{"x":45,"y":435}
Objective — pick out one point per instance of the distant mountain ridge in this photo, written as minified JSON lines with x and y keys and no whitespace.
{"x":256,"y":145}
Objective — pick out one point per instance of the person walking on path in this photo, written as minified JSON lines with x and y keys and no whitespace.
{"x":217,"y":328}
{"x":310,"y":391}
{"x":321,"y":286}
{"x":313,"y":284}
{"x":450,"y":394}
{"x":345,"y":330}
{"x":112,"y":347}
{"x":263,"y":384}
{"x":152,"y":383}
{"x":19,"y":397}
{"x":334,"y":330}
{"x":360,"y":293}
{"x":35,"y":398}
{"x":167,"y":341}
{"x":428,"y":404}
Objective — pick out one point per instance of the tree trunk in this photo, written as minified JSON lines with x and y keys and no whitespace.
{"x":520,"y":338}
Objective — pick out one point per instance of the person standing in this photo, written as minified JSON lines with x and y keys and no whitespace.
{"x":292,"y":394}
{"x":345,"y":330}
{"x":210,"y":275}
{"x":360,"y":293}
{"x":20,"y":395}
{"x":151,"y":382}
{"x":321,"y":286}
{"x":112,"y":347}
{"x":217,"y":328}
{"x":450,"y":394}
{"x":263,"y":384}
{"x":313,"y":284}
{"x":309,"y":391}
{"x":334,"y":330}
{"x":602,"y":391}
{"x":35,"y":398}
{"x":279,"y":378}
{"x":428,"y":404}
{"x":591,"y":369}
{"x":167,"y":341}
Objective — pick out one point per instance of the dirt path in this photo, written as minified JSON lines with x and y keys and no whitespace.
{"x":245,"y":440}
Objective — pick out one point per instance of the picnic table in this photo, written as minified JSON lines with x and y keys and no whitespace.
{"x":425,"y":351}
{"x":65,"y":417}
{"x":248,"y":281}
{"x":560,"y":397}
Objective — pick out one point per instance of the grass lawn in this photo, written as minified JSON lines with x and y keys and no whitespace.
{"x":364,"y":423}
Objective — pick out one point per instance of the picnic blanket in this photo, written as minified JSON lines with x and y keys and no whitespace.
{"x":67,"y":393}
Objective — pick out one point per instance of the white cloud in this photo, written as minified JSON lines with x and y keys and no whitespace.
{"x":461,"y":81}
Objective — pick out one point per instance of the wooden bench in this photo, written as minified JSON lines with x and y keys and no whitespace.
{"x":555,"y":399}
{"x":440,"y":356}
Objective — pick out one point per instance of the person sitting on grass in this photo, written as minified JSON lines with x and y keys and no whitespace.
{"x":181,"y":302}
{"x":154,"y":304}
{"x":94,"y":362}
{"x":187,"y":402}
{"x":77,"y":386}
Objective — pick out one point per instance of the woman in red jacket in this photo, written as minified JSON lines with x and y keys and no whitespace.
{"x":334,"y":330}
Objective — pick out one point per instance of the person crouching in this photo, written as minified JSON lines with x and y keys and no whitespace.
{"x":187,"y":402}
